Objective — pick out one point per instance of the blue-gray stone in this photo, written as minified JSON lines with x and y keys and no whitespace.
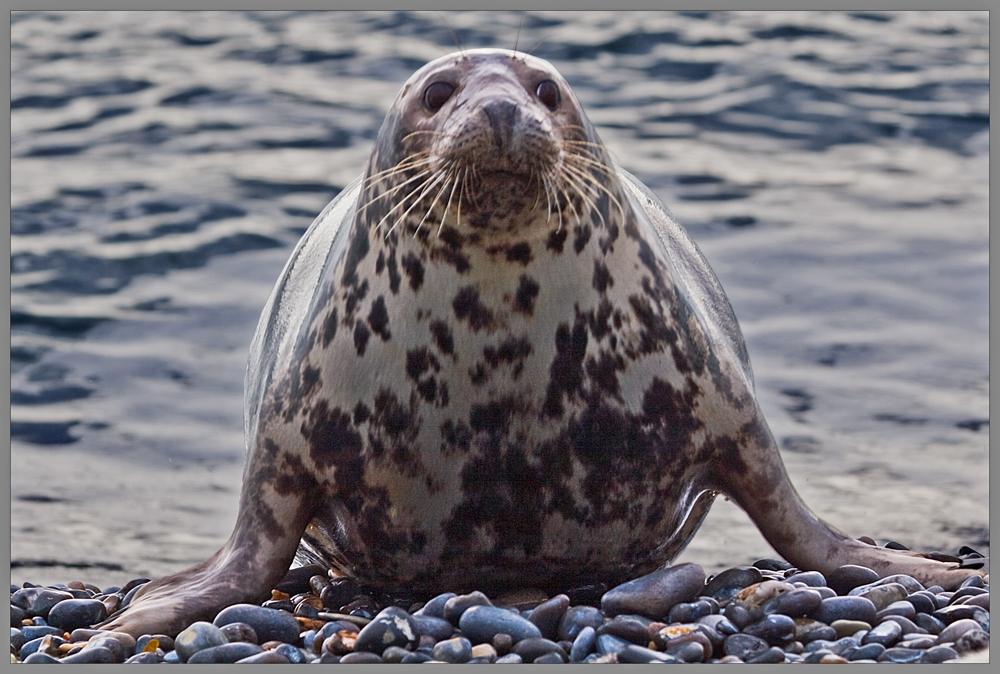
{"x":795,"y":604}
{"x":583,"y":644}
{"x":361,"y":658}
{"x":435,"y":607}
{"x":32,"y":632}
{"x":849,"y":576}
{"x":547,"y":615}
{"x":481,"y":623}
{"x":17,"y":616}
{"x":147,"y":658}
{"x":112,"y":644}
{"x":811,"y":578}
{"x":867,"y":652}
{"x":31,"y":646}
{"x":743,"y":646}
{"x":772,"y":655}
{"x":634,"y":629}
{"x":689,"y":651}
{"x":16,"y":638}
{"x":689,"y":612}
{"x":930,"y":623}
{"x":91,"y":655}
{"x":439,"y":628}
{"x":535,"y":647}
{"x":456,"y":650}
{"x":74,"y":613}
{"x":38,"y":601}
{"x":391,"y":627}
{"x":509,"y":659}
{"x":886,"y":633}
{"x":654,"y":594}
{"x":846,"y":608}
{"x":900,"y":655}
{"x":225,"y":653}
{"x":731,"y":581}
{"x":938,"y":654}
{"x":456,"y":606}
{"x":264,"y":658}
{"x":608,"y":643}
{"x":909,"y":583}
{"x":576,"y":618}
{"x":633,"y":654}
{"x":776,"y":629}
{"x":553,"y":658}
{"x":198,"y":636}
{"x":40,"y":659}
{"x":269,"y":624}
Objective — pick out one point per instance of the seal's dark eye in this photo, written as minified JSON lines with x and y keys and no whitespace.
{"x":548,"y":94}
{"x":437,"y":94}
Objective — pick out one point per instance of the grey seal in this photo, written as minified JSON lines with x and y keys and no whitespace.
{"x":496,"y":360}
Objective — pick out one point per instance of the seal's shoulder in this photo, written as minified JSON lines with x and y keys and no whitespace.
{"x":692,"y":273}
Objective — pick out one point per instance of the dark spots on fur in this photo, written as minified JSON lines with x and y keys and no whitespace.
{"x":393,"y":269}
{"x":293,"y":476}
{"x":512,"y":351}
{"x":361,"y":413}
{"x":672,"y":408}
{"x":557,"y":237}
{"x":456,"y":436}
{"x":354,"y":295}
{"x":649,"y":261}
{"x":393,"y":417}
{"x":419,"y":361}
{"x":453,"y":257}
{"x":600,"y":321}
{"x":468,"y":306}
{"x":380,"y":263}
{"x":392,"y":432}
{"x":607,"y":242}
{"x":603,"y":371}
{"x":310,"y":378}
{"x":519,"y":252}
{"x":655,"y":335}
{"x":356,"y":252}
{"x":527,"y":291}
{"x":333,"y":442}
{"x":503,"y":494}
{"x":361,"y":335}
{"x":566,"y":371}
{"x":442,"y":337}
{"x":602,"y":279}
{"x":330,"y":327}
{"x":581,"y":237}
{"x":378,"y":318}
{"x":414,"y":270}
{"x":491,"y":417}
{"x":478,"y":374}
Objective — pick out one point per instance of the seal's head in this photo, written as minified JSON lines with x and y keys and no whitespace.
{"x":487,"y":139}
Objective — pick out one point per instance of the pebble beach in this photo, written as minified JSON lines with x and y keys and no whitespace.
{"x":833,"y":167}
{"x":769,"y":612}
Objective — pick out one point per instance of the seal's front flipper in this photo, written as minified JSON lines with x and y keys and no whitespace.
{"x":805,"y":540}
{"x":256,"y":557}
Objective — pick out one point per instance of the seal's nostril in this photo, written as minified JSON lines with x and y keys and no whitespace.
{"x":502,"y":114}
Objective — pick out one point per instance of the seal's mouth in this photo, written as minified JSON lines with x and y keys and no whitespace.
{"x":570,"y":181}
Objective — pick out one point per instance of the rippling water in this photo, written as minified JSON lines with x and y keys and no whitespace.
{"x":832,"y":166}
